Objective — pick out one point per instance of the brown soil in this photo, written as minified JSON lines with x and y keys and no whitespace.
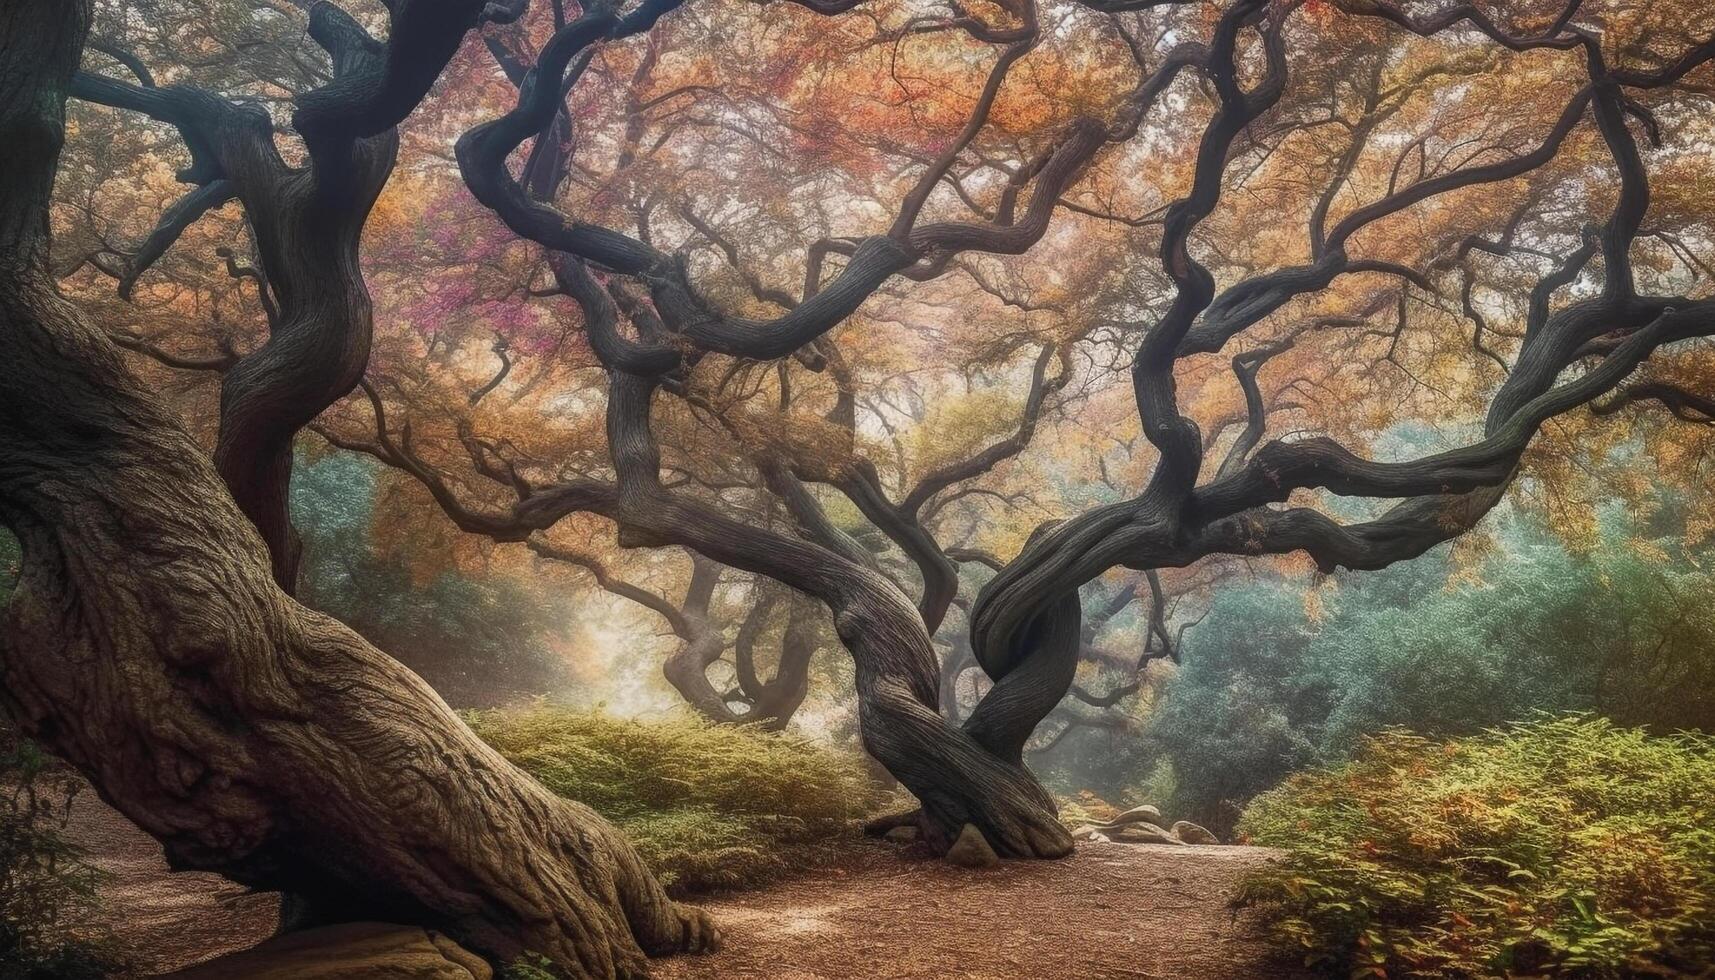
{"x":1110,"y":912}
{"x":165,"y":919}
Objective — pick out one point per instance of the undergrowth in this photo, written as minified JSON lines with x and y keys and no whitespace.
{"x":51,"y":922}
{"x":1565,"y":847}
{"x":1085,"y":808}
{"x":707,"y":806}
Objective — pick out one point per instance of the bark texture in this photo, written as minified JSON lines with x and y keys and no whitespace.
{"x":149,"y":645}
{"x":648,"y":323}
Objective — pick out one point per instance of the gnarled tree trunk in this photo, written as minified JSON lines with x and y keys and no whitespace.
{"x":960,"y":776}
{"x":148,"y":644}
{"x":307,"y":222}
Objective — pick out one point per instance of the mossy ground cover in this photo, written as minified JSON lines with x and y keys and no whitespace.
{"x":1565,"y":847}
{"x":707,"y":806}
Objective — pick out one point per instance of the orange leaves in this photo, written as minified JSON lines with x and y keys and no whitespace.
{"x":738,"y":135}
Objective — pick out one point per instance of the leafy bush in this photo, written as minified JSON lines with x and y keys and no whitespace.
{"x":1442,"y":646}
{"x":50,"y":926}
{"x":1565,"y":845}
{"x":1246,"y":707}
{"x":707,"y":806}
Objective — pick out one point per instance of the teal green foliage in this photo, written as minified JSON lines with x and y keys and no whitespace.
{"x":1565,"y":846}
{"x":478,"y":642}
{"x":1243,"y":712}
{"x":707,"y":806}
{"x":1266,"y":689}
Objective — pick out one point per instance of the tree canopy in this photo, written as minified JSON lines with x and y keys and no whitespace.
{"x":958,"y":334}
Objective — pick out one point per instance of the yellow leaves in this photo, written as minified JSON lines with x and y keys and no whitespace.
{"x":1471,"y":553}
{"x":400,"y":203}
{"x":409,"y":531}
{"x":1296,"y":564}
{"x":1699,"y":521}
{"x":1650,"y":551}
{"x":961,"y":425}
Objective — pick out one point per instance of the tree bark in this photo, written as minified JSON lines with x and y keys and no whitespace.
{"x":772,"y":702}
{"x":960,"y":776}
{"x":148,"y":644}
{"x":308,"y":226}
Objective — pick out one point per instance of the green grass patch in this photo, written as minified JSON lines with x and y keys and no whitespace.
{"x":707,"y":806}
{"x":1564,"y":847}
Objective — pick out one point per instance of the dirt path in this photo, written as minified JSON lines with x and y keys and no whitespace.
{"x":166,"y":920}
{"x":1110,"y":912}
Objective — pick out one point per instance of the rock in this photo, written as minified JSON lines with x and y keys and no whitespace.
{"x":1142,"y":833}
{"x":1087,"y":832}
{"x":972,"y":849}
{"x":879,"y":826}
{"x":372,"y":950}
{"x":1137,"y":814}
{"x":1190,"y":833}
{"x":902,"y":835}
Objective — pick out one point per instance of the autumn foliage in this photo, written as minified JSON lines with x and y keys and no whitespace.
{"x":1566,"y":846}
{"x":950,"y":340}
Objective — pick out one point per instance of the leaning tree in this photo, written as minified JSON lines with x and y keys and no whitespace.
{"x":148,"y":643}
{"x":260,"y":740}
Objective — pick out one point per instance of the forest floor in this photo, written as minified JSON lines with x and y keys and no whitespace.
{"x":1110,"y":912}
{"x":165,"y":920}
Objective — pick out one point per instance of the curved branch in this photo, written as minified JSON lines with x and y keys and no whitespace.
{"x":125,"y":57}
{"x":375,"y":86}
{"x":1687,"y":406}
{"x":181,"y":215}
{"x":1041,"y":387}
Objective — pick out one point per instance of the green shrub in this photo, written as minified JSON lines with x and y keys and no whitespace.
{"x":1568,"y":846}
{"x":530,"y":966}
{"x":707,"y":806}
{"x":50,"y":922}
{"x":1443,"y":645}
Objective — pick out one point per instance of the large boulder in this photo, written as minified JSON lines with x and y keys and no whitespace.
{"x":1191,"y":833}
{"x":371,"y":950}
{"x":972,"y":849}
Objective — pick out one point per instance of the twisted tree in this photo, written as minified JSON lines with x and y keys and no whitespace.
{"x":307,"y":222}
{"x":1545,"y":268}
{"x":1025,"y":623}
{"x":148,"y":644}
